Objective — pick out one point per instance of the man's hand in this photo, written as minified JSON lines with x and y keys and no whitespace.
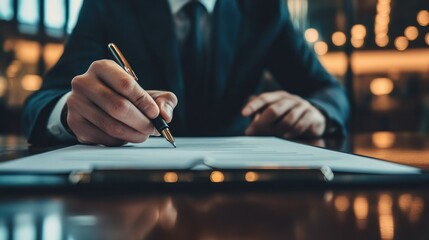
{"x":284,"y":115}
{"x":107,"y":106}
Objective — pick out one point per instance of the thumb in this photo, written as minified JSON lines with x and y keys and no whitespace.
{"x":166,"y":102}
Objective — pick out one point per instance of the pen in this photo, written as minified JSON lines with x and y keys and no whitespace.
{"x":158,"y":122}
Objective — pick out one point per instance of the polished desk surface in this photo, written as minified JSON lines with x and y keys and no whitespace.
{"x":347,"y":213}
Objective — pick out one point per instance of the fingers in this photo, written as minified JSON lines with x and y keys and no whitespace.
{"x":107,"y":106}
{"x":288,"y":117}
{"x":295,"y":126}
{"x":166,"y":102}
{"x":117,"y":79}
{"x":87,"y":133}
{"x":293,"y":123}
{"x":265,"y":99}
{"x":114,"y":105}
{"x":109,"y":125}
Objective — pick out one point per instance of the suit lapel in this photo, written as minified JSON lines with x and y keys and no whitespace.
{"x":226,"y":29}
{"x":159,"y":37}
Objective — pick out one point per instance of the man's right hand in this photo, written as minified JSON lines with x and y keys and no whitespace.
{"x":107,"y":106}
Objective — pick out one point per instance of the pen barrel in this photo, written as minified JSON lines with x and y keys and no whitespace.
{"x":159,"y":124}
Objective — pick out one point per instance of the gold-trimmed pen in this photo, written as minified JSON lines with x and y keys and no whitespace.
{"x":158,"y":122}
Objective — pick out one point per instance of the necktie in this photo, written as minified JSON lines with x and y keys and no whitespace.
{"x":194,"y":68}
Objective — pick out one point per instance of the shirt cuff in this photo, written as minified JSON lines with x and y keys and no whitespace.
{"x":55,"y":127}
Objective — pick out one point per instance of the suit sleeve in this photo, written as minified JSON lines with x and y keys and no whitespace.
{"x":299,"y":71}
{"x":85,"y":45}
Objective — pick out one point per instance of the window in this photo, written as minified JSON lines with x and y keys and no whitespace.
{"x":74,"y":6}
{"x":28,"y":16}
{"x":6,"y":11}
{"x":54,"y":17}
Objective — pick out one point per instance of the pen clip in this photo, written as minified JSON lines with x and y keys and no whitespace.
{"x":119,"y":57}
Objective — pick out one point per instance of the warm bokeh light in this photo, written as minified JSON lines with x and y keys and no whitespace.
{"x":382,"y":19}
{"x":383,"y":8}
{"x":383,"y":139}
{"x":321,"y":48}
{"x":52,"y":52}
{"x":386,"y":223}
{"x":416,"y":210}
{"x":385,"y":204}
{"x":217,"y":177}
{"x":311,"y":35}
{"x":376,"y":61}
{"x":342,"y":203}
{"x":359,"y":31}
{"x":423,"y":18}
{"x":13,"y":69}
{"x":411,"y":32}
{"x":251,"y":177}
{"x":404,"y":202}
{"x":382,"y":41}
{"x":357,"y":43}
{"x":360,"y":207}
{"x":339,"y":39}
{"x":401,"y":43}
{"x":381,"y":86}
{"x":3,"y":86}
{"x":427,"y":38}
{"x":27,"y":51}
{"x":31,"y":82}
{"x":171,"y":177}
{"x":387,"y":227}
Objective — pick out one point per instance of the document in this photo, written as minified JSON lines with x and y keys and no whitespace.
{"x":191,"y":153}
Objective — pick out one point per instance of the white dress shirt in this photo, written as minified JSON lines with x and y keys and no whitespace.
{"x":181,"y":25}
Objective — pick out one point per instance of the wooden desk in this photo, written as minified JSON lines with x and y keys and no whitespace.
{"x":358,"y":213}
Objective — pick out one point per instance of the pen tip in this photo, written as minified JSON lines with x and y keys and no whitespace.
{"x":174,"y":145}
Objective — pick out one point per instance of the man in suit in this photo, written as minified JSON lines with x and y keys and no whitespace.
{"x":209,"y":56}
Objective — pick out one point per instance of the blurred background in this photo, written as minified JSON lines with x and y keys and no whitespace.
{"x":379,"y":50}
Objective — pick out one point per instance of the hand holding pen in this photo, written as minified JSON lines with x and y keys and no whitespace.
{"x":107,"y":106}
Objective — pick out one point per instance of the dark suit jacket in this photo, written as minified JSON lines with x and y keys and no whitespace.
{"x":249,"y":37}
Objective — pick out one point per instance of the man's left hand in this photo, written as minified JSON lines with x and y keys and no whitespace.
{"x":284,"y":115}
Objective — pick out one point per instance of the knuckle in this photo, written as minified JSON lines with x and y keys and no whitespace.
{"x":99,"y":64}
{"x":118,"y":107}
{"x":96,"y":65}
{"x":126,"y":84}
{"x":78,"y":83}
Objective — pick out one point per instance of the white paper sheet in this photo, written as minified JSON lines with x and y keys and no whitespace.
{"x":222,"y":152}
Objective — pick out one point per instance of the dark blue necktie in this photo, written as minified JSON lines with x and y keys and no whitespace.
{"x":194,"y":69}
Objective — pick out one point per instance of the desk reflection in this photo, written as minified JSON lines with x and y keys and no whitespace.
{"x":356,"y":213}
{"x":264,"y":215}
